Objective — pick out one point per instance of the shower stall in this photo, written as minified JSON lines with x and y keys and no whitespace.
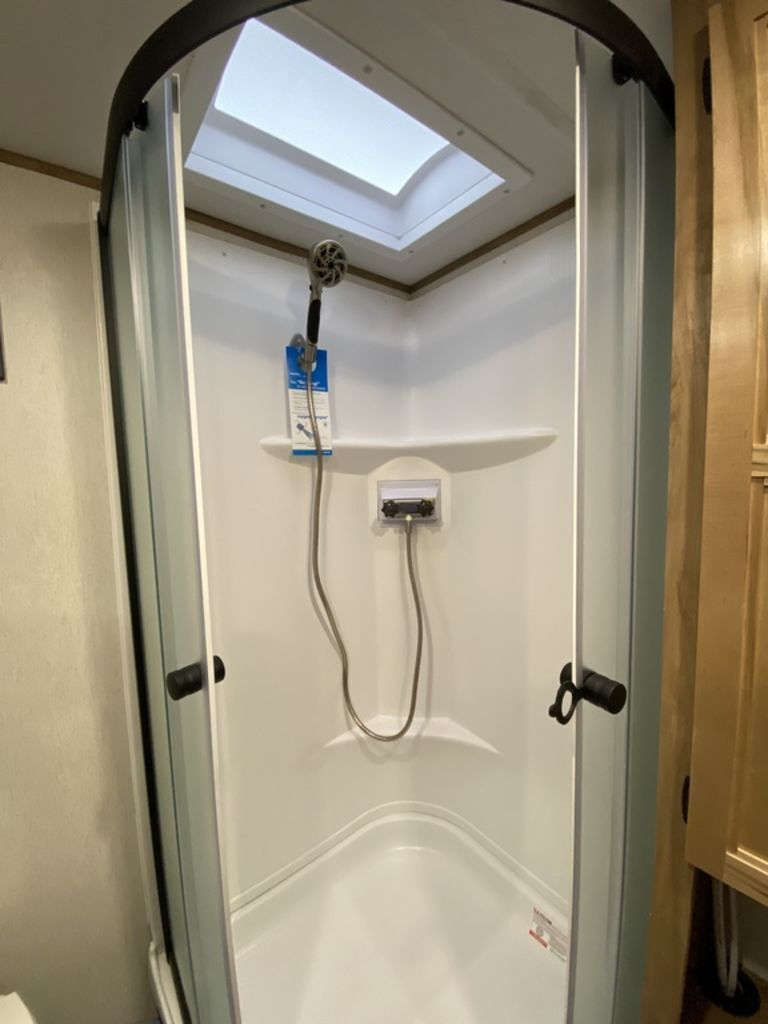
{"x":399,"y":732}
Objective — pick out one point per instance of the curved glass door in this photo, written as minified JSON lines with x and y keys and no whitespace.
{"x":152,"y":363}
{"x":624,"y":249}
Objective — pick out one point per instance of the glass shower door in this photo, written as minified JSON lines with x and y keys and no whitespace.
{"x":150,"y":352}
{"x":625,"y":227}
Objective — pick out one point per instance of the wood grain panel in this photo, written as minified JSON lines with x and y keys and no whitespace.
{"x":728,"y":828}
{"x":749,"y":824}
{"x":760,"y":461}
{"x":747,"y":872}
{"x":673,"y":878}
{"x":728,"y":460}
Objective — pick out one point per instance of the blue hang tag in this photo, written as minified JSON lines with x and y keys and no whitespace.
{"x":302,"y":439}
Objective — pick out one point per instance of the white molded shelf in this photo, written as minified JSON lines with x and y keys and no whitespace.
{"x":454,"y":454}
{"x":440,"y":728}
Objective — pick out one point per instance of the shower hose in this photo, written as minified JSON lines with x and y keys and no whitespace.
{"x":326,"y":604}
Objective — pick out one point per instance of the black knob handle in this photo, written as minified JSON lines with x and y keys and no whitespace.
{"x":599,"y":690}
{"x":603,"y":692}
{"x":183,"y":682}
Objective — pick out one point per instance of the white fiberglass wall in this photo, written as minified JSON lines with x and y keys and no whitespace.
{"x":487,"y":353}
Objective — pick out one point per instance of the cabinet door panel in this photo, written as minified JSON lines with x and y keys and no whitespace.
{"x":747,"y":856}
{"x":728,"y":822}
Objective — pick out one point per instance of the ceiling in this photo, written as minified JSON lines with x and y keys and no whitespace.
{"x":507,"y":75}
{"x":60,"y":62}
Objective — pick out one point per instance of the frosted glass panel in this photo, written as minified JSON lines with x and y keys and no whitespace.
{"x":127,"y":395}
{"x":624,"y":272}
{"x":603,"y":542}
{"x":653,"y":271}
{"x":163,"y":360}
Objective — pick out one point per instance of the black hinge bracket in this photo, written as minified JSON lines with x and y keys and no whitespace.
{"x":623,"y":71}
{"x":141,"y":120}
{"x":706,"y":84}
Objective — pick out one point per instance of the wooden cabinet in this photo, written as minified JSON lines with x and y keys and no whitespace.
{"x":727,"y":832}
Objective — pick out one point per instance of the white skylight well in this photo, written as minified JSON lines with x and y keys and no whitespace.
{"x":279,"y":88}
{"x":317,"y":146}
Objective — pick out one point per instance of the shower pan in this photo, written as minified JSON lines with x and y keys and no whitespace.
{"x":397,"y":680}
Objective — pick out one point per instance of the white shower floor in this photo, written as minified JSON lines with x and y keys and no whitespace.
{"x":407,"y":921}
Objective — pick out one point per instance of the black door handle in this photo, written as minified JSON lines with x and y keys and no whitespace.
{"x":188,"y":680}
{"x":599,"y":690}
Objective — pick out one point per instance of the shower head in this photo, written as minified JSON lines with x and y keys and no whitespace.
{"x":327,"y":266}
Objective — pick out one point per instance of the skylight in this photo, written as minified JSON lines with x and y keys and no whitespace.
{"x":318,"y":149}
{"x":277,"y":87}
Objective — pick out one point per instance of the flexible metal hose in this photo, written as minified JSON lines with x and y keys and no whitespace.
{"x":331,"y":618}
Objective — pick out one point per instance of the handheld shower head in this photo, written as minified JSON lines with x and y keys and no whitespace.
{"x":327,"y":266}
{"x":327,"y":263}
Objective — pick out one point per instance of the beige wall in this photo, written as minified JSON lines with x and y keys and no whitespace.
{"x":73,"y":937}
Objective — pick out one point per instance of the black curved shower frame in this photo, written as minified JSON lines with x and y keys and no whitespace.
{"x":202,"y":20}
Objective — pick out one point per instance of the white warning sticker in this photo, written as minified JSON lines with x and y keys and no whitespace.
{"x":549,"y":935}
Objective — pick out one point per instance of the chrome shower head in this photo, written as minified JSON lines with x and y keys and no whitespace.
{"x":327,"y":263}
{"x":327,"y":266}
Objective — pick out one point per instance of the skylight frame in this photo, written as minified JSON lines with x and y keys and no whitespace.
{"x":230,"y":157}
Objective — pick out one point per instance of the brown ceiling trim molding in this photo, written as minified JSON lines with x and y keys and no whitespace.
{"x":496,"y":243}
{"x":30,"y":163}
{"x":195,"y":217}
{"x":513,"y":234}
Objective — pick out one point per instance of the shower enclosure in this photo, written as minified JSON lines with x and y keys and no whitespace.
{"x":495,"y":862}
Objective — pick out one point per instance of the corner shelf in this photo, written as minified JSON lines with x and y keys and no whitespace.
{"x":454,"y":454}
{"x":439,"y":728}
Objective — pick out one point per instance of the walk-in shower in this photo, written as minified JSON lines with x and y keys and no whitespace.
{"x":396,"y":578}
